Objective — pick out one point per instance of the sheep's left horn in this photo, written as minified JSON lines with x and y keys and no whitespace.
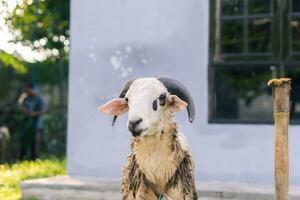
{"x":122,"y":95}
{"x":177,"y":88}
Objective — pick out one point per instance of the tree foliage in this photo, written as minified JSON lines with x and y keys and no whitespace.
{"x":8,"y":60}
{"x":43,"y":25}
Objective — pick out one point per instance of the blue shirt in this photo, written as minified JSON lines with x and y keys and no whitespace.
{"x":35,"y":104}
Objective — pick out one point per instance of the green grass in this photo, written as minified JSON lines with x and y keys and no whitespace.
{"x":12,"y":174}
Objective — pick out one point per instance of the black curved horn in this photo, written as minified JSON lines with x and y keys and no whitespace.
{"x":177,"y":88}
{"x":122,"y":95}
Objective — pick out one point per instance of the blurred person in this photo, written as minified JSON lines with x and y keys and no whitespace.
{"x":34,"y":107}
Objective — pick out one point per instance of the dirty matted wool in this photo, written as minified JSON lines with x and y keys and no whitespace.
{"x":160,"y":164}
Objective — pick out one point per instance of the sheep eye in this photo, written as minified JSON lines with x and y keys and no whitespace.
{"x":126,"y":99}
{"x":162,"y":99}
{"x":154,"y":105}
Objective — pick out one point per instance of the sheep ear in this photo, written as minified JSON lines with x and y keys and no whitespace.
{"x":114,"y":107}
{"x":176,"y":104}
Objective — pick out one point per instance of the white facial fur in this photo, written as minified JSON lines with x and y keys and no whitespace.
{"x":142,"y":93}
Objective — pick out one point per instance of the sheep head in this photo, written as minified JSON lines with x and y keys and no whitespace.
{"x":150,"y":102}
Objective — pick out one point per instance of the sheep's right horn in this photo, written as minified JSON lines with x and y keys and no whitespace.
{"x":177,"y":88}
{"x":122,"y":95}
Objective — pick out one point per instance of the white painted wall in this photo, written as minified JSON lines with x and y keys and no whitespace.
{"x":118,"y":39}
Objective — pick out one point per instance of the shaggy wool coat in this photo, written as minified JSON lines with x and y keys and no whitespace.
{"x":159,"y":165}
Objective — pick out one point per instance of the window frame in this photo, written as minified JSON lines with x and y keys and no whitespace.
{"x":280,"y":61}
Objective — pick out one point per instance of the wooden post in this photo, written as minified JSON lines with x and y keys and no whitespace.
{"x":281,"y":100}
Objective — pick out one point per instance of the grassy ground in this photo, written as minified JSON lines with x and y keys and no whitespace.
{"x":12,"y":175}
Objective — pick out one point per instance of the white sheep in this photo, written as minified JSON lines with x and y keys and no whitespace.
{"x":160,"y":164}
{"x":4,"y":142}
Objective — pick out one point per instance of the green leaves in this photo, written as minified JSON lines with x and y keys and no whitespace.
{"x":43,"y":26}
{"x":38,"y":20}
{"x":10,"y":61}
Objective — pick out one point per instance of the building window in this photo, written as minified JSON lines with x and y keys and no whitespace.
{"x":252,"y":41}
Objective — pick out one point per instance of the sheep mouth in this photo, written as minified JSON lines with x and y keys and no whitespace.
{"x":139,"y":132}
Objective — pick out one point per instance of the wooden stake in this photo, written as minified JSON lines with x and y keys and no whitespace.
{"x":281,"y":100}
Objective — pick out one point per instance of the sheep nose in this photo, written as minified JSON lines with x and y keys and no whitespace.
{"x":132,"y":126}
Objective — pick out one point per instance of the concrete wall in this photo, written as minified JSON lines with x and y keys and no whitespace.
{"x":118,"y":39}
